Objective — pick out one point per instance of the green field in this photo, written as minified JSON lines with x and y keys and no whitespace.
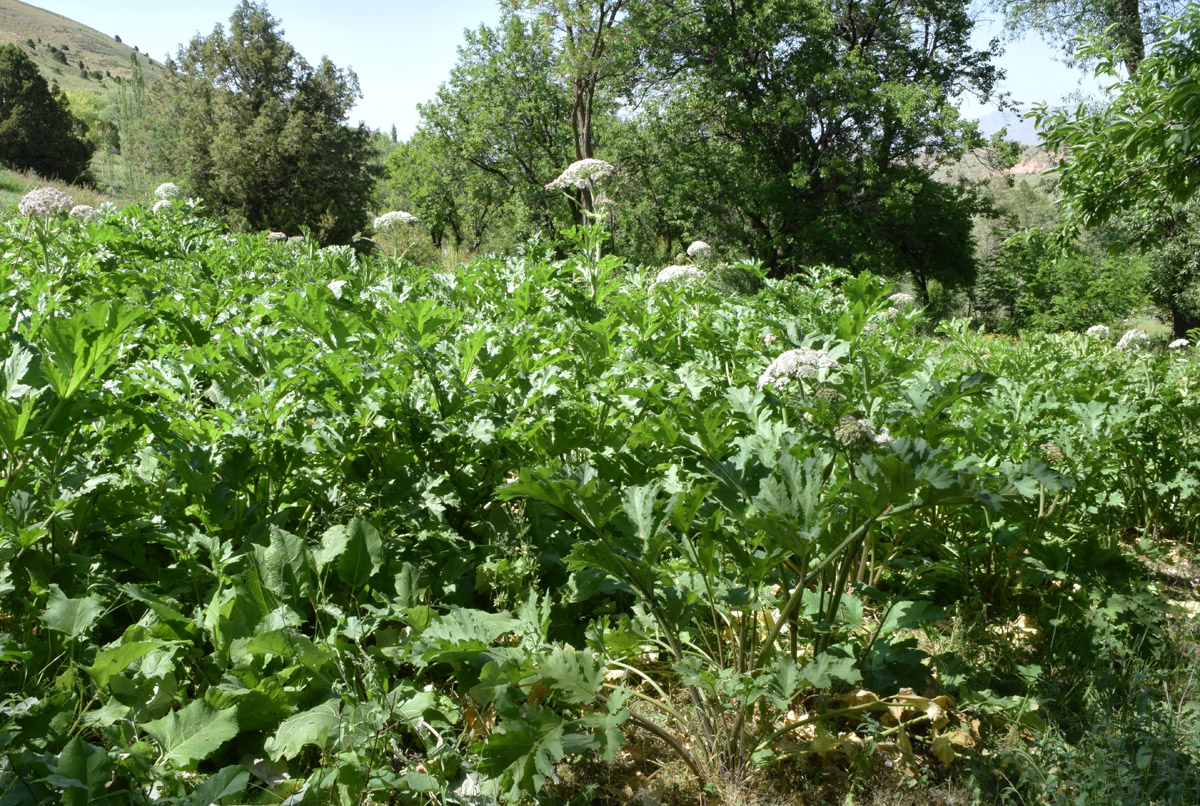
{"x":291,"y":524}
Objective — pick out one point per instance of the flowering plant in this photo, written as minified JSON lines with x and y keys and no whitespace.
{"x":394,"y":218}
{"x":581,"y":174}
{"x":679,"y":274}
{"x":802,"y":362}
{"x":84,"y":212}
{"x":44,"y":201}
{"x":167,"y":190}
{"x":1134,"y":339}
{"x":1098,"y":331}
{"x":160,"y":205}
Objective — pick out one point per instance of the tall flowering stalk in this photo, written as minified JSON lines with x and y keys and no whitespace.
{"x":394,"y":225}
{"x":581,"y":176}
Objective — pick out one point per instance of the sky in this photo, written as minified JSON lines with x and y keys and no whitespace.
{"x":402,"y":50}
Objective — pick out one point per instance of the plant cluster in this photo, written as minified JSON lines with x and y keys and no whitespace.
{"x":290,"y":524}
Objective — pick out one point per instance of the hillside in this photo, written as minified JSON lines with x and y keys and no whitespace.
{"x":100,"y":52}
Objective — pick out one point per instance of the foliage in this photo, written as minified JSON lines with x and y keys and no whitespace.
{"x":1125,"y":28}
{"x":1136,"y":156}
{"x":1034,"y":284}
{"x":1137,"y":151}
{"x":260,"y":134}
{"x":811,"y":121}
{"x":281,"y":521}
{"x":498,"y":128}
{"x":37,"y":130}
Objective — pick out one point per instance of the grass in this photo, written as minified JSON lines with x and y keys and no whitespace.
{"x":15,"y":184}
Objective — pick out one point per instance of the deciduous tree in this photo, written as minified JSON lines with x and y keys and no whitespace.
{"x":810,"y":128}
{"x":1137,"y":157}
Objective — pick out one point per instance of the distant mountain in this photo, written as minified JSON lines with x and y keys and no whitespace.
{"x":57,"y":39}
{"x":1020,"y":126}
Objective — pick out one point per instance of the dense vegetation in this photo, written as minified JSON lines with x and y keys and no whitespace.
{"x":37,"y":130}
{"x":300,"y":508}
{"x":281,"y":519}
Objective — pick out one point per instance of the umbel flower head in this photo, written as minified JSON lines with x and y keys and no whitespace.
{"x":699,"y":249}
{"x":161,"y":205}
{"x":581,"y":173}
{"x":395,"y":218}
{"x":167,"y":190}
{"x":44,"y":201}
{"x":1051,"y":453}
{"x":1134,"y":339}
{"x":83,"y":212}
{"x":679,"y":274}
{"x":802,"y":362}
{"x":855,"y":432}
{"x":1098,"y":332}
{"x":276,"y":236}
{"x":901,"y":300}
{"x":1178,"y":344}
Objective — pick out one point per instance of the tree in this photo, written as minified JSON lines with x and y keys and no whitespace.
{"x":1124,"y":28}
{"x":1137,"y":158}
{"x":810,"y":128}
{"x":504,"y":118}
{"x":37,"y":130}
{"x":260,"y":134}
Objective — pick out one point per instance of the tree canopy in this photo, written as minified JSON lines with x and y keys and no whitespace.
{"x":260,"y":134}
{"x":37,"y":130}
{"x":1137,"y":157}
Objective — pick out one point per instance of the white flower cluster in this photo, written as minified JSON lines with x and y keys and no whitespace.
{"x":901,"y":300}
{"x":276,"y":236}
{"x":44,"y":201}
{"x":1178,"y":344}
{"x":394,"y":219}
{"x":160,"y":205}
{"x":167,"y":190}
{"x":581,"y":173}
{"x":83,"y":212}
{"x":880,"y":437}
{"x":699,"y":249}
{"x":679,"y":274}
{"x":799,"y":363}
{"x":1098,"y":332}
{"x":1134,"y":339}
{"x":770,"y":338}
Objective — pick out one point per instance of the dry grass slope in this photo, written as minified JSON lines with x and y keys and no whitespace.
{"x":20,"y":22}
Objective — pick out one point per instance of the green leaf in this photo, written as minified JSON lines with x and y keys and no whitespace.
{"x":525,"y":752}
{"x":833,"y":664}
{"x":86,"y":765}
{"x":358,"y":548}
{"x":909,"y":616}
{"x":13,"y":372}
{"x":114,"y":661}
{"x":192,"y":733}
{"x":224,"y":783}
{"x":71,"y":616}
{"x":284,"y":567}
{"x":307,"y":727}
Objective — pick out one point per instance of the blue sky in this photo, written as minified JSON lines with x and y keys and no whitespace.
{"x":403,"y":49}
